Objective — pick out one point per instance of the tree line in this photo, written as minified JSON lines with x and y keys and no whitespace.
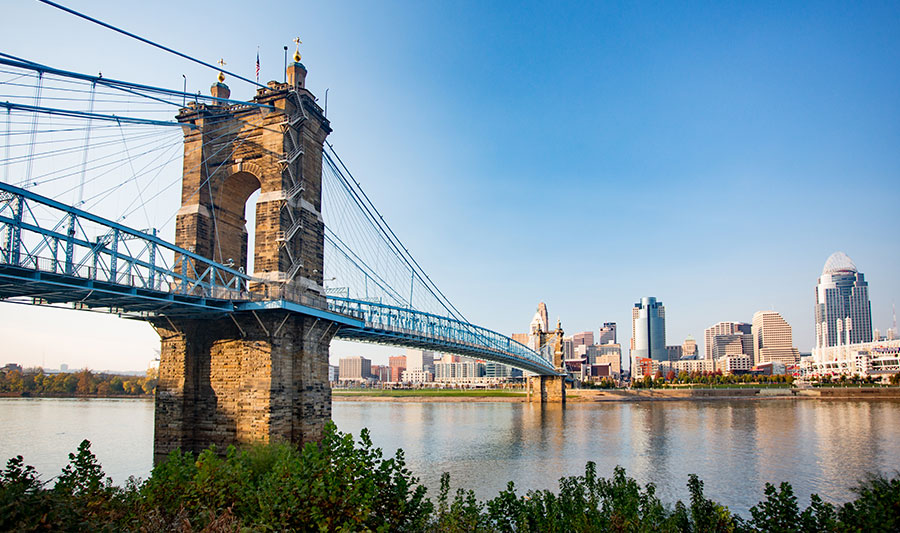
{"x":339,"y":484}
{"x":34,"y":382}
{"x":854,"y":379}
{"x":661,"y":380}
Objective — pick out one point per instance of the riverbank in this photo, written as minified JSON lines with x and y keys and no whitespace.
{"x":62,"y":395}
{"x":620,"y":395}
{"x":427,"y":395}
{"x":630,"y":395}
{"x":572,"y":395}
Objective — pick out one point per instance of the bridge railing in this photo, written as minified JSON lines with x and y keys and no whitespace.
{"x":42,"y":235}
{"x":450,"y":331}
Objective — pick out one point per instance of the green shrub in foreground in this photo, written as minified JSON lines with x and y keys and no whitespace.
{"x":342,"y":485}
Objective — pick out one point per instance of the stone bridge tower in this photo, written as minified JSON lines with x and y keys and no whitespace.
{"x":550,"y":389}
{"x":255,"y":376}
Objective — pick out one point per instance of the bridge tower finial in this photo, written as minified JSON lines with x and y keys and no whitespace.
{"x":298,"y":42}
{"x":219,"y":89}
{"x":296,"y":72}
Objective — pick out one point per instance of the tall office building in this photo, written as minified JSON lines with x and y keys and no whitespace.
{"x":608,"y":333}
{"x":419,"y":360}
{"x":737,"y":344}
{"x":843,"y":311}
{"x":674,"y":352}
{"x":585,"y":338}
{"x":499,"y":370}
{"x":381,"y":372}
{"x":354,"y":368}
{"x":773,"y":340}
{"x":724,"y":328}
{"x":689,"y":348}
{"x":648,"y":330}
{"x":540,"y":321}
{"x":398,"y":365}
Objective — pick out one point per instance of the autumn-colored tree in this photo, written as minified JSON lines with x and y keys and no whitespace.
{"x":85,"y":382}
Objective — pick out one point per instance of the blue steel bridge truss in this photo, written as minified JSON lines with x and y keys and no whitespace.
{"x":52,"y":253}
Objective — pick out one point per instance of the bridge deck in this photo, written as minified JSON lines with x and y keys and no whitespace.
{"x":92,"y":263}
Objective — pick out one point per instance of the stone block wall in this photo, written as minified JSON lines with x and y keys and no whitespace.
{"x":250,"y":377}
{"x":260,"y":378}
{"x":546,"y":389}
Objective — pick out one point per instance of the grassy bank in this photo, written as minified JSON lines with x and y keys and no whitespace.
{"x":343,"y":485}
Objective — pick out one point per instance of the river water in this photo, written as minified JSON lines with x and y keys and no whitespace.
{"x":734,"y":446}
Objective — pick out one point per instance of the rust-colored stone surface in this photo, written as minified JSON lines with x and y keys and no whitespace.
{"x":546,"y":389}
{"x":237,"y":381}
{"x":259,"y":377}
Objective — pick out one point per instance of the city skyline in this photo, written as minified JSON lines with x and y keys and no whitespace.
{"x":749,"y":117}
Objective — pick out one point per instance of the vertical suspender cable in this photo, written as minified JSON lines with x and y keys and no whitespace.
{"x":6,"y":157}
{"x":87,"y":140}
{"x":34,"y":125}
{"x":140,"y":197}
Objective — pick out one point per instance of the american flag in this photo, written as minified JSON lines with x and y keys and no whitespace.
{"x":257,"y":66}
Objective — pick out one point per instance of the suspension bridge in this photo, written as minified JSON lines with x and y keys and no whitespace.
{"x":245,"y":311}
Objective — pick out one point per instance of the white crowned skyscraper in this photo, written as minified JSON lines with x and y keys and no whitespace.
{"x":843,"y":311}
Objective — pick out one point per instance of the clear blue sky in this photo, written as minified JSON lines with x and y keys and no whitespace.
{"x":710,"y":154}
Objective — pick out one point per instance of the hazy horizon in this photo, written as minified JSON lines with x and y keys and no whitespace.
{"x":710,"y":155}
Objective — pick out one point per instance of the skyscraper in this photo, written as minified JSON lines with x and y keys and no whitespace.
{"x":724,"y":328}
{"x":737,"y":344}
{"x":540,"y":322}
{"x":419,"y":360}
{"x":398,"y":365}
{"x":674,"y":352}
{"x":648,"y":329}
{"x":608,"y":333}
{"x":773,"y":340}
{"x":843,"y":311}
{"x":585,"y":338}
{"x":689,"y":347}
{"x":354,"y":368}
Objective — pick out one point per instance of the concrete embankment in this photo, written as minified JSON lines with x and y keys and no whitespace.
{"x":643,"y":395}
{"x":851,"y":393}
{"x":595,"y":395}
{"x":362,"y":397}
{"x":637,"y":395}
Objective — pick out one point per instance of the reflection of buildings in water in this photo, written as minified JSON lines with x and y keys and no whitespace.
{"x":559,"y":441}
{"x":729,"y":447}
{"x":407,"y":423}
{"x":650,"y":443}
{"x":848,"y":444}
{"x":780,"y":436}
{"x":605,"y":438}
{"x":546,"y":429}
{"x":734,"y":446}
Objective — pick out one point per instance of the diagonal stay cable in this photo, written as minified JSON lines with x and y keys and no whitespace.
{"x":430,"y":286}
{"x":145,"y":41}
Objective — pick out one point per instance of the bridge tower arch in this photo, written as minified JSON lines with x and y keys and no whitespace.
{"x":261,"y":375}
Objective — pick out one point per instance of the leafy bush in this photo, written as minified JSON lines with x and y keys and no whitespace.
{"x":342,"y":485}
